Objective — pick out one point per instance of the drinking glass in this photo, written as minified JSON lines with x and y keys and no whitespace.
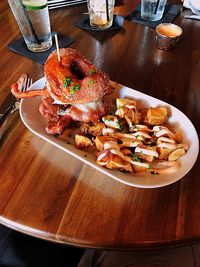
{"x":101,"y":13}
{"x":33,"y":20}
{"x":152,"y":10}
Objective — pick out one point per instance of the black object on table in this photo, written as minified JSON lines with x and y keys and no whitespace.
{"x":19,"y":46}
{"x":171,"y":11}
{"x":84,"y":23}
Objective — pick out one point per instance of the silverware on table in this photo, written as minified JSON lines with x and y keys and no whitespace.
{"x":11,"y":103}
{"x":10,"y":99}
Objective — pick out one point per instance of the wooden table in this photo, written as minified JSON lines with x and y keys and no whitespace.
{"x":48,"y":194}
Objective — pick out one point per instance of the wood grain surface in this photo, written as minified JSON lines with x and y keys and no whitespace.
{"x":46,"y":193}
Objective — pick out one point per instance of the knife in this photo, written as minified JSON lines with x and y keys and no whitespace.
{"x":10,"y":99}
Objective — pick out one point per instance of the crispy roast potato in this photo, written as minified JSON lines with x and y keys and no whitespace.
{"x":176,"y":154}
{"x":101,"y":139}
{"x":114,"y":161}
{"x":163,"y":153}
{"x":94,"y":130}
{"x":84,"y":129}
{"x":82,"y":141}
{"x":121,"y":112}
{"x":122,"y":102}
{"x":132,"y":118}
{"x":157,"y":116}
{"x":138,"y":169}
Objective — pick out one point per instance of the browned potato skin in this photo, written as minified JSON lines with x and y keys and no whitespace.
{"x":147,"y":158}
{"x":143,"y":115}
{"x":115,"y":162}
{"x":176,"y":154}
{"x":132,"y":117}
{"x":157,"y":116}
{"x":126,"y":151}
{"x":100,"y":140}
{"x":126,"y":166}
{"x":96,"y":129}
{"x":82,"y":141}
{"x":121,"y":102}
{"x":164,"y":153}
{"x":178,"y":137}
{"x":138,"y":169}
{"x":121,"y":112}
{"x":84,"y":129}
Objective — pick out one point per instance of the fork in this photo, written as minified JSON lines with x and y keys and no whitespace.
{"x":26,"y":84}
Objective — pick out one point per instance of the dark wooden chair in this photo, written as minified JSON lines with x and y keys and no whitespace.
{"x":19,"y":250}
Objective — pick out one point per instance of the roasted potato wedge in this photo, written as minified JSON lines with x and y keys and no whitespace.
{"x":147,"y":158}
{"x":157,"y":116}
{"x":176,"y":154}
{"x":122,"y":102}
{"x":138,"y":169}
{"x":96,"y":129}
{"x":178,"y":137}
{"x":82,"y":141}
{"x":132,"y":117}
{"x":114,"y":161}
{"x":163,"y":153}
{"x":126,"y":151}
{"x":129,"y":142}
{"x":143,"y":115}
{"x":101,"y":139}
{"x":121,"y":112}
{"x":84,"y":129}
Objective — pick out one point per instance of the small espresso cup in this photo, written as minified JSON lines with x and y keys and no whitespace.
{"x":167,"y":35}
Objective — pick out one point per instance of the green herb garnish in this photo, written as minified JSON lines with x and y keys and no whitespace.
{"x":74,"y":88}
{"x":119,"y":126}
{"x":135,"y":157}
{"x":91,"y":72}
{"x":67,"y":81}
{"x":77,"y":87}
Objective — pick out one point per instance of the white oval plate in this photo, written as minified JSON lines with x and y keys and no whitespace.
{"x":36,"y":123}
